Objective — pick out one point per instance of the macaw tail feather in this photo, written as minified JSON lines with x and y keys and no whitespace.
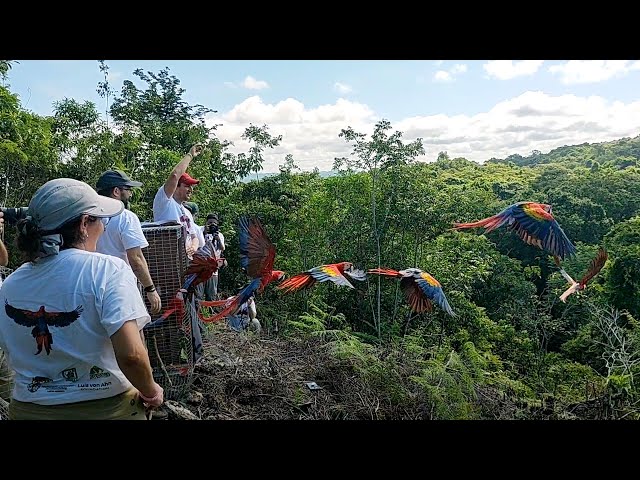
{"x":211,"y":319}
{"x":384,"y":271}
{"x":212,"y":303}
{"x":489,"y":223}
{"x":297,"y":282}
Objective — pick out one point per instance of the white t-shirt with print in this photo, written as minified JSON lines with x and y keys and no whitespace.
{"x":167,"y":209}
{"x":123,"y":232}
{"x":89,"y":296}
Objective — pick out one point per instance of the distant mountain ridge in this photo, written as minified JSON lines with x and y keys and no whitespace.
{"x":620,"y":154}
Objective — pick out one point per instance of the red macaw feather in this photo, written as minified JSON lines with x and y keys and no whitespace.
{"x":594,"y":268}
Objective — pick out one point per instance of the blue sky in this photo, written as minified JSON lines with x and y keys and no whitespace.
{"x":475,"y":109}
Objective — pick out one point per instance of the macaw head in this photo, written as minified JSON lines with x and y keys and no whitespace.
{"x":547,"y":208}
{"x":278,"y":275}
{"x":342,"y":266}
{"x":411,"y":272}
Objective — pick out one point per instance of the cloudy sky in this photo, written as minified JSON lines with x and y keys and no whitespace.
{"x":474,"y":109}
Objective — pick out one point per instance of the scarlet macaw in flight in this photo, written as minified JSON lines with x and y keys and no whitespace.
{"x":594,"y":268}
{"x":257,"y":256}
{"x":534,"y":223}
{"x":420,"y":289}
{"x":204,"y":264}
{"x":334,"y":272}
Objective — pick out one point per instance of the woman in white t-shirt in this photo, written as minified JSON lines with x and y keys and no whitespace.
{"x":69,"y":324}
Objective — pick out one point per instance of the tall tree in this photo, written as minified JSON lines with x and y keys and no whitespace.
{"x":380,"y":153}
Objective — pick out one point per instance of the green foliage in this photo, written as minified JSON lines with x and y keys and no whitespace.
{"x":385,"y":209}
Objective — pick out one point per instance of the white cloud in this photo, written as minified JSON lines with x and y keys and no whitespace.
{"x":508,"y":69}
{"x":592,"y":71}
{"x":533,"y":120}
{"x":230,"y":85}
{"x":342,"y":88}
{"x":253,"y":84}
{"x":444,"y":76}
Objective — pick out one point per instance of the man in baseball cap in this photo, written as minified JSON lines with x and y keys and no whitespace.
{"x":123,"y":236}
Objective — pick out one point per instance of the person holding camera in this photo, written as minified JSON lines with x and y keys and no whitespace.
{"x":69,"y":324}
{"x":123,"y":236}
{"x":212,"y":232}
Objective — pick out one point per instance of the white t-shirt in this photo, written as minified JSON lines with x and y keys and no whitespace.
{"x":123,"y":232}
{"x":166,"y":209}
{"x":91,"y":295}
{"x":219,"y":248}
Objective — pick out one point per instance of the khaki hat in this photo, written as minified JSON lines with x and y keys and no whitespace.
{"x":63,"y":199}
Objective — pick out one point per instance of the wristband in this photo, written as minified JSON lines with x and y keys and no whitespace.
{"x":150,"y":288}
{"x":153,"y":399}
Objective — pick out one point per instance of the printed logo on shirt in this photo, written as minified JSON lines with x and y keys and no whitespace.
{"x":70,"y":374}
{"x":97,"y":372}
{"x":36,"y":382}
{"x":41,"y":321}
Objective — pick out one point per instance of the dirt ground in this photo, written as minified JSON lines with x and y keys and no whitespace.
{"x":245,"y":376}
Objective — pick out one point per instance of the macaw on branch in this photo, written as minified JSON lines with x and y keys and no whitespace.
{"x":535,"y":225}
{"x":334,"y":272}
{"x":594,"y":268}
{"x":420,"y":289}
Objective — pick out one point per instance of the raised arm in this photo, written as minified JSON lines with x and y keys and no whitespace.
{"x":172,"y":182}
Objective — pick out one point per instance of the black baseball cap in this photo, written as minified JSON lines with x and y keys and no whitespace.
{"x":115,"y":178}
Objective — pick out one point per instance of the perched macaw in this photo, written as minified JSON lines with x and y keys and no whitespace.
{"x":204,"y":264}
{"x":257,"y":256}
{"x":420,"y":289}
{"x":534,"y":223}
{"x":594,"y":268}
{"x":334,"y":272}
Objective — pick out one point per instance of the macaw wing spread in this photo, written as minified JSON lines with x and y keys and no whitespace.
{"x":436,"y":294}
{"x":331,"y":273}
{"x":539,"y":228}
{"x":257,"y":252}
{"x":596,"y":265}
{"x":415,"y":297}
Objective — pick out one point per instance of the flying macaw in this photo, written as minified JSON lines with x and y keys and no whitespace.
{"x":534,"y":223}
{"x":420,"y":289}
{"x":257,"y":256}
{"x":334,"y":272}
{"x":204,"y":264}
{"x":594,"y":268}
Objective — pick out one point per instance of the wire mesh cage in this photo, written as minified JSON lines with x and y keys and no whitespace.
{"x":169,"y":339}
{"x":6,"y":383}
